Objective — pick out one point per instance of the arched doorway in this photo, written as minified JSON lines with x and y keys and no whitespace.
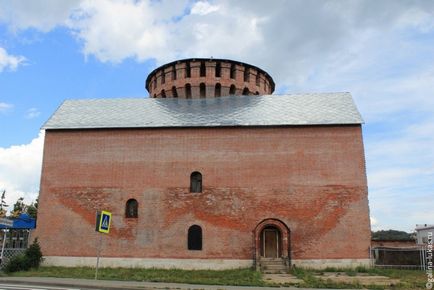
{"x":271,"y":242}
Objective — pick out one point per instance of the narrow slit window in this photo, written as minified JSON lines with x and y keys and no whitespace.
{"x":218,"y":90}
{"x":202,"y":89}
{"x":232,"y":90}
{"x":195,"y":238}
{"x":163,"y":77}
{"x":188,"y":91}
{"x":202,"y":69}
{"x":131,"y":208}
{"x":196,"y":182}
{"x":246,"y":74}
{"x":163,"y":93}
{"x":218,"y":70}
{"x":233,"y":71}
{"x":258,"y":79}
{"x":187,"y":70}
{"x":173,"y":73}
{"x":174,"y":92}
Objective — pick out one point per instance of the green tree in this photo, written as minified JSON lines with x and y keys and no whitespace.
{"x":32,"y":209}
{"x":3,"y":204}
{"x":19,"y":207}
{"x":391,"y":235}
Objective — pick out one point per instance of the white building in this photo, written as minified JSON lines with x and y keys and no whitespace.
{"x":422,"y":232}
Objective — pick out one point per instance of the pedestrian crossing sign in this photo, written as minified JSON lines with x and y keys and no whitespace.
{"x":103,"y":220}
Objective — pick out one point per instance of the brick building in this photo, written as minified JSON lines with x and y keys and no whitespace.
{"x":211,"y":171}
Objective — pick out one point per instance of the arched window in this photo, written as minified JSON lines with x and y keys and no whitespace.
{"x":174,"y":92}
{"x":155,"y":95}
{"x":202,"y":69}
{"x":246,"y":92}
{"x":163,"y":93}
{"x":246,"y":74}
{"x":188,"y":91}
{"x":256,"y":93}
{"x":233,"y":71}
{"x":195,"y":238}
{"x":232,"y":90}
{"x":187,"y":70}
{"x":218,"y":70}
{"x":218,"y":90}
{"x":202,"y":90}
{"x":196,"y":182}
{"x":131,"y":208}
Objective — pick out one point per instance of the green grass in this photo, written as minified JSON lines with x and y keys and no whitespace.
{"x":410,"y":279}
{"x":238,"y":277}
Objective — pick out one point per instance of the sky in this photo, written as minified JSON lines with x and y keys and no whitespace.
{"x":380,"y":51}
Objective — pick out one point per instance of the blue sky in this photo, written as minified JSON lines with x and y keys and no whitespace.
{"x":380,"y":51}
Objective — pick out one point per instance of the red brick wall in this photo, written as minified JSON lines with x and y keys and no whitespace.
{"x":311,"y":178}
{"x":172,"y":78}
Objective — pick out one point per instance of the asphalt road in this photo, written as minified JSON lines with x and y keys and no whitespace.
{"x":4,"y":286}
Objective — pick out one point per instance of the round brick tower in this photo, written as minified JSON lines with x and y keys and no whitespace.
{"x":196,"y":78}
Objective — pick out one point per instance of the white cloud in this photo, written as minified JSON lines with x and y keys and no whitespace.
{"x":32,"y":113}
{"x":8,"y":61}
{"x":4,"y":107}
{"x":20,"y":169}
{"x":381,"y":51}
{"x":42,"y":15}
{"x":203,"y":8}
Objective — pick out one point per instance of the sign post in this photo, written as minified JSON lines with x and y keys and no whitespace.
{"x":7,"y":223}
{"x":103,"y":221}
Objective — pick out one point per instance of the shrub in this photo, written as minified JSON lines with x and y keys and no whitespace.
{"x":17,"y":263}
{"x":34,"y":254}
{"x":31,"y":258}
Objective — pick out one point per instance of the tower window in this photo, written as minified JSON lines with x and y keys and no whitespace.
{"x":258,"y":78}
{"x":163,"y":93}
{"x":196,"y":182}
{"x":233,"y":71}
{"x":202,"y":90}
{"x":218,"y":90}
{"x":246,"y":92}
{"x":202,"y":69}
{"x":155,"y":82}
{"x":187,"y":70}
{"x":232,"y":90}
{"x":218,"y":70}
{"x":173,"y":73}
{"x":174,"y":92}
{"x":131,"y":208}
{"x":195,"y":238}
{"x":163,"y":77}
{"x":246,"y":74}
{"x":188,"y":91}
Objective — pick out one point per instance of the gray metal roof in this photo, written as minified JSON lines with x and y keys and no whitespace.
{"x":269,"y":110}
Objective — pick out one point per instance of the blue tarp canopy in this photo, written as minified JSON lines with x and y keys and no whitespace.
{"x":23,"y":221}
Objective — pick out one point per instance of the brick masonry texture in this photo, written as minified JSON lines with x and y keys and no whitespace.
{"x":171,"y":80}
{"x":311,"y":178}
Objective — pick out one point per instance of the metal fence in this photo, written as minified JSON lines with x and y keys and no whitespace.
{"x":9,"y":253}
{"x":401,"y":258}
